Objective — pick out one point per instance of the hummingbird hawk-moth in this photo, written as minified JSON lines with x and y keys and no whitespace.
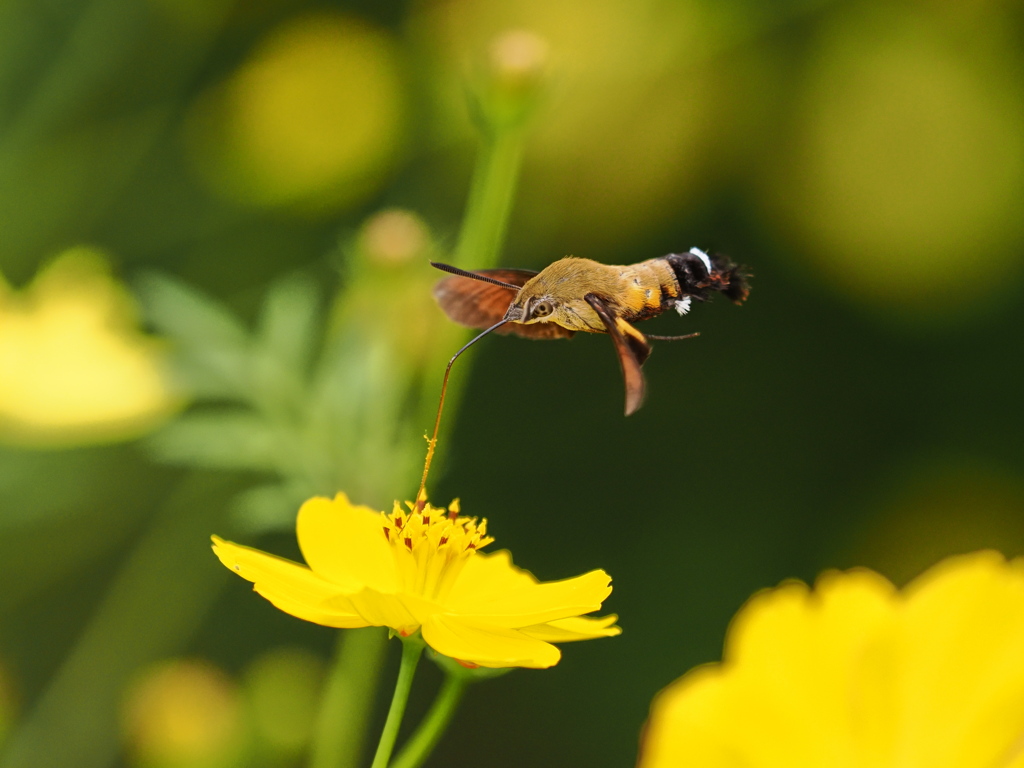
{"x":574,"y":294}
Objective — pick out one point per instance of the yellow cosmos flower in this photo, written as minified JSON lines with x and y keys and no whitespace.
{"x":856,"y":673}
{"x":423,"y":570}
{"x":74,"y":367}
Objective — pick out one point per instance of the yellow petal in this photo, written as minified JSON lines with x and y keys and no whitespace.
{"x":487,"y":573}
{"x":541,"y":603}
{"x":385,"y":610}
{"x":487,"y":646}
{"x":856,"y":676}
{"x":420,"y":608}
{"x":796,"y":650}
{"x":345,"y":543}
{"x":492,"y":590}
{"x":333,"y":613}
{"x":782,"y":697}
{"x":291,"y":587}
{"x":964,"y":683}
{"x":684,"y":726}
{"x":576,"y":628}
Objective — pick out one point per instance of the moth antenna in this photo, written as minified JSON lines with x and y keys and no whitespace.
{"x":421,"y":494}
{"x":473,"y":276}
{"x":671,"y":338}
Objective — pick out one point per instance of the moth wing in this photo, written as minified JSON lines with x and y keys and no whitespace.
{"x":477,"y":304}
{"x":632,"y":349}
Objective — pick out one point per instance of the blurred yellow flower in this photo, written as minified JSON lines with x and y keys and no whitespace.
{"x":183,"y":713}
{"x":905,"y":164}
{"x":313,"y":120}
{"x":423,"y":570}
{"x":856,"y":673}
{"x":74,"y":367}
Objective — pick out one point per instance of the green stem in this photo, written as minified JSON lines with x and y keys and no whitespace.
{"x":348,"y":695}
{"x":411,"y":652}
{"x":490,"y":199}
{"x":484,"y":223}
{"x":343,"y":713}
{"x":430,"y":731}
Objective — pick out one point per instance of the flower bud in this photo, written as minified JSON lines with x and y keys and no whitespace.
{"x":512,"y":79}
{"x":518,"y":58}
{"x":394,"y":237}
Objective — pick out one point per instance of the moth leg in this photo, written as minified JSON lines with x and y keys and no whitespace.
{"x":673,"y":338}
{"x":632,"y":349}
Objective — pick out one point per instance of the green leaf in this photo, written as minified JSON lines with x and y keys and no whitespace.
{"x":289,"y":321}
{"x":213,"y":345}
{"x":283,"y":346}
{"x":225,"y":439}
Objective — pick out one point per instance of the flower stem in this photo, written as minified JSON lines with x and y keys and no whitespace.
{"x":412,"y":649}
{"x":430,"y":731}
{"x":484,"y":224}
{"x":345,"y":707}
{"x":490,"y":198}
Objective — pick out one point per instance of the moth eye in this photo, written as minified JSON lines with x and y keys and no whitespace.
{"x":541,"y":310}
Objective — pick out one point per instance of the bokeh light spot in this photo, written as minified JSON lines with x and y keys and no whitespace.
{"x":394,"y":237}
{"x":312,"y":120}
{"x":906,"y":168}
{"x":183,"y":712}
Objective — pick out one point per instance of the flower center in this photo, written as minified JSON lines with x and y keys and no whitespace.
{"x":431,"y":545}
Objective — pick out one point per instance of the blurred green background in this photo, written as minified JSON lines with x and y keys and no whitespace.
{"x":864,"y":160}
